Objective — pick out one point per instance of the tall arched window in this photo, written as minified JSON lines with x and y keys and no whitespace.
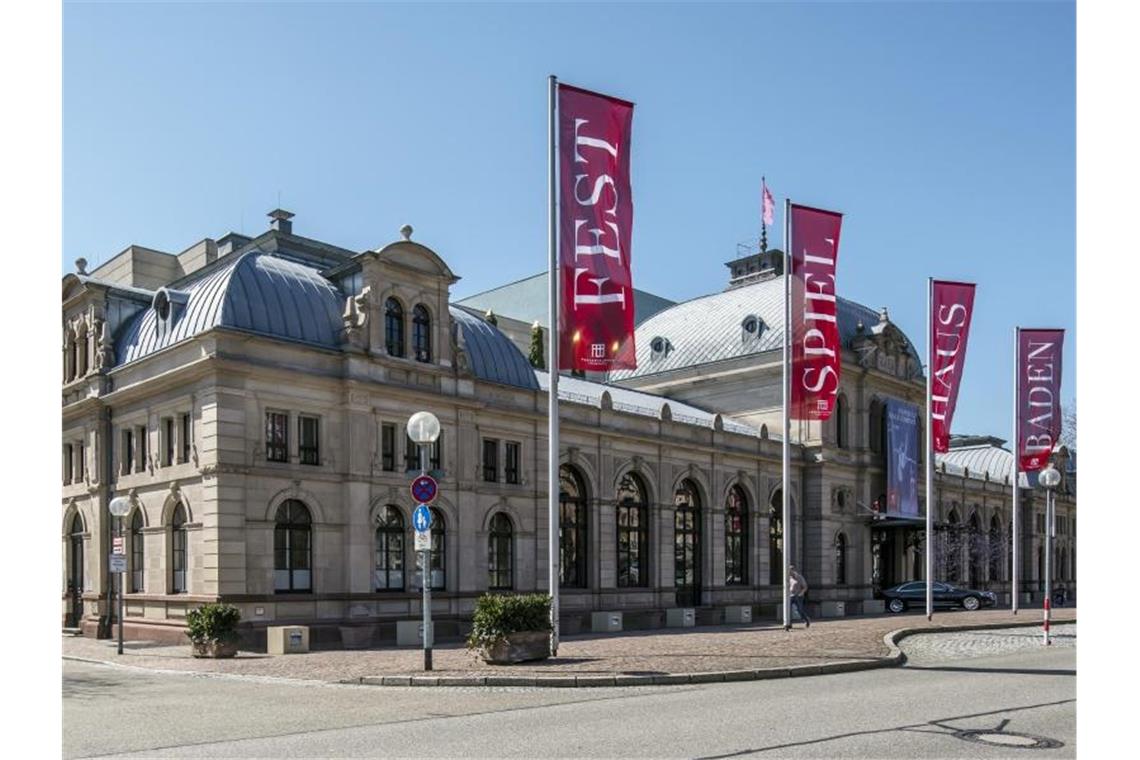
{"x":952,"y":547}
{"x":75,"y":577}
{"x":776,"y":539}
{"x":841,"y":421}
{"x":389,"y":573}
{"x":687,"y":544}
{"x":138,"y":565}
{"x":178,"y":551}
{"x":632,"y":532}
{"x":572,"y":529}
{"x":995,"y":549}
{"x":421,"y":333}
{"x":736,"y":537}
{"x":292,"y":548}
{"x":500,"y":553}
{"x":840,"y":560}
{"x":975,"y":550}
{"x":394,"y":327}
{"x":438,"y":536}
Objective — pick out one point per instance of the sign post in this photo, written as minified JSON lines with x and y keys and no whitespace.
{"x":119,"y":507}
{"x":423,"y":430}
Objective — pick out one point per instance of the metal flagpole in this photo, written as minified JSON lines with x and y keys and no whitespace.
{"x":787,"y":455}
{"x":552,"y":316}
{"x":1016,"y":462}
{"x":929,"y":452}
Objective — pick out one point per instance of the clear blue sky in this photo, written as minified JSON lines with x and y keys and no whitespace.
{"x":944,"y":132}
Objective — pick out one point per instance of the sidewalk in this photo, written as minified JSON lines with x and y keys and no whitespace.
{"x":594,"y":659}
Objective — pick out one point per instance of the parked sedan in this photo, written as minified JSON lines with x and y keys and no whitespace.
{"x":901,"y":597}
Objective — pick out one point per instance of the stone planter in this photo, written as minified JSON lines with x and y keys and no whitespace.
{"x":214,"y":649}
{"x":519,"y":647}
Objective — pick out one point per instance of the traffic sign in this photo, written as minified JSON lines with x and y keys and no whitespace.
{"x":424,"y":489}
{"x":423,"y":540}
{"x":118,"y":563}
{"x":421,"y":518}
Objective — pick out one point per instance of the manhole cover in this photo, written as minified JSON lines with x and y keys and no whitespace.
{"x":1004,"y":739}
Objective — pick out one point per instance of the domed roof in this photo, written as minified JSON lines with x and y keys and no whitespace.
{"x":733,"y":323}
{"x":492,"y":355}
{"x":256,"y":292}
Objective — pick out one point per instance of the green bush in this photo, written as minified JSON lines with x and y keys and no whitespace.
{"x":497,"y":615}
{"x":213,"y":622}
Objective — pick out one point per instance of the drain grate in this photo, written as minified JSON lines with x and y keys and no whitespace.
{"x":1008,"y":739}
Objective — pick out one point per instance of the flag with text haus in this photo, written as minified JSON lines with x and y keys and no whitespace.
{"x":595,"y":226}
{"x":1038,"y":396}
{"x":951,"y":308}
{"x":814,"y":244}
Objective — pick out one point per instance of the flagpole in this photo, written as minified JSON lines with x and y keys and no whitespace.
{"x":1016,"y":464}
{"x":787,"y":456}
{"x":929,"y":452}
{"x":552,"y":316}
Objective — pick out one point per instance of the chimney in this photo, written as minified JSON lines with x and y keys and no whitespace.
{"x":281,"y":221}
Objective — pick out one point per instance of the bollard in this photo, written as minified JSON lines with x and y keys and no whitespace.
{"x":1047,"y":641}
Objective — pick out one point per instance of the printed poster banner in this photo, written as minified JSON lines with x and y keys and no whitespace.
{"x":1039,"y":396}
{"x":902,"y":458}
{"x":952,"y":307}
{"x":815,"y":329}
{"x":595,"y":226}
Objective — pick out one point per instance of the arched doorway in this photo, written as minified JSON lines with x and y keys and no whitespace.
{"x":975,"y":550}
{"x":776,"y":539}
{"x":572,"y":503}
{"x":687,"y":545}
{"x":75,"y":574}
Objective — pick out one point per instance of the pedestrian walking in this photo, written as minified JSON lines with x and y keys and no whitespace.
{"x":797,"y":587}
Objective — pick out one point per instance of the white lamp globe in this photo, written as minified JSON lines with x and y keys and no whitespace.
{"x":1049,"y":477}
{"x":423,"y":427}
{"x":119,"y":506}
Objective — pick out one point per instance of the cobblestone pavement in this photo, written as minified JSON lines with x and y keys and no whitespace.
{"x":922,"y":650}
{"x":693,"y":650}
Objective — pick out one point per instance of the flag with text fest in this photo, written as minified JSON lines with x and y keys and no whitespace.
{"x":595,"y":225}
{"x":951,"y":309}
{"x":814,"y":242}
{"x":1038,"y":395}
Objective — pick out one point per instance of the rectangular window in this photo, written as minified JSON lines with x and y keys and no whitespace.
{"x":309,"y":440}
{"x":491,"y":460}
{"x":388,"y":446}
{"x":276,"y":437}
{"x":411,"y":454}
{"x":80,"y":463}
{"x":67,"y":460}
{"x":140,"y":466}
{"x":185,"y":438}
{"x":512,"y":463}
{"x":127,"y":453}
{"x":435,"y":455}
{"x":167,"y":441}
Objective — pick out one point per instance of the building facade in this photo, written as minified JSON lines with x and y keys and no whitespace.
{"x":249,"y":397}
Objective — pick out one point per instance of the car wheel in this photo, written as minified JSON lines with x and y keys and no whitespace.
{"x":971,"y":603}
{"x":896,"y":605}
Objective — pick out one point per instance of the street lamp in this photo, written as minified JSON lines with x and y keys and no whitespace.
{"x":119,"y":507}
{"x":423,"y":429}
{"x":1050,"y":478}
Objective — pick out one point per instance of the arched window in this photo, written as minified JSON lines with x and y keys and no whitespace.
{"x":81,"y":349}
{"x":73,"y":358}
{"x":500,"y":553}
{"x":389,"y":573}
{"x":632,"y":532}
{"x":841,"y":421}
{"x":995,"y":549}
{"x":75,"y":577}
{"x":687,"y":544}
{"x":138,"y":565}
{"x":776,"y":539}
{"x":421,"y":333}
{"x":178,"y":551}
{"x":292,"y":548}
{"x":394,"y":327}
{"x":736,"y":537}
{"x":975,"y":549}
{"x":572,"y":528}
{"x":438,"y":534}
{"x":840,"y":560}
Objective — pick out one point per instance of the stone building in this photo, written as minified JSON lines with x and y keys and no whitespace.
{"x":249,"y":396}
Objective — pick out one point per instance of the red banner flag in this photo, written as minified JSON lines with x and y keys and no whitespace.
{"x":595,"y":225}
{"x":1038,"y":395}
{"x":815,"y":331}
{"x":951,"y":308}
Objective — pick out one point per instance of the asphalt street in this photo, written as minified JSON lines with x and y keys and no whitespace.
{"x":1003,"y":684}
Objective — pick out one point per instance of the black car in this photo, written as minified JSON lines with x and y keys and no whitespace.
{"x":901,"y":597}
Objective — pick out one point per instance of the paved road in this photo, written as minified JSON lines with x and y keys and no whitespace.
{"x":1003,"y":681}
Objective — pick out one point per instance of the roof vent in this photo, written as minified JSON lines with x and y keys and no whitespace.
{"x":751,"y":328}
{"x":168,"y":306}
{"x":659,"y":347}
{"x":282,"y":221}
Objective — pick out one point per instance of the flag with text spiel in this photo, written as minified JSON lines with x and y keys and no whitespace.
{"x":1038,"y":396}
{"x":815,"y":346}
{"x":595,"y":225}
{"x":951,"y":308}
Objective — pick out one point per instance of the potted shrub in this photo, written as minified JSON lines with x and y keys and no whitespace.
{"x":510,"y":628}
{"x":213,"y":630}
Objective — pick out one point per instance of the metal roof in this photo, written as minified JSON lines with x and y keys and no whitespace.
{"x":983,"y":459}
{"x":492,"y":354}
{"x":710,"y":328}
{"x":256,"y":292}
